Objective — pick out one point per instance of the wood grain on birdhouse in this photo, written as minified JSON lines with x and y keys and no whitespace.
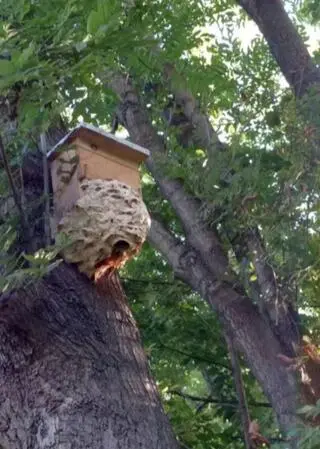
{"x":101,"y":162}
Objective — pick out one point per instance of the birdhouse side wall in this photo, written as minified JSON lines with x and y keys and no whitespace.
{"x":65,"y":184}
{"x":98,"y":163}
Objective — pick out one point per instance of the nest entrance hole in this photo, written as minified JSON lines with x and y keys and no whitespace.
{"x":120,"y":247}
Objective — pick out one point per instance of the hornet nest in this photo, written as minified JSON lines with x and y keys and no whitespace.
{"x":106,"y":226}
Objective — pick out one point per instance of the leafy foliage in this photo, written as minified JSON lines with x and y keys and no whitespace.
{"x":310,"y":9}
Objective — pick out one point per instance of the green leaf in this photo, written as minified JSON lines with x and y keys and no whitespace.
{"x":273,"y":119}
{"x":3,"y":32}
{"x":79,"y":46}
{"x":200,"y":153}
{"x":6,"y":67}
{"x":307,"y":410}
{"x":95,"y":21}
{"x":25,"y":56}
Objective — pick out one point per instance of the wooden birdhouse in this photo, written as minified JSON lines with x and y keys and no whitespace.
{"x":89,"y":153}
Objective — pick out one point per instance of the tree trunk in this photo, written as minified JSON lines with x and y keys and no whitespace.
{"x":73,"y":373}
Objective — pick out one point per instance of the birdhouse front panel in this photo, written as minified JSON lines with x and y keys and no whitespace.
{"x":98,"y":162}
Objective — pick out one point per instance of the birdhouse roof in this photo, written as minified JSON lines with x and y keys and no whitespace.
{"x":99,"y":137}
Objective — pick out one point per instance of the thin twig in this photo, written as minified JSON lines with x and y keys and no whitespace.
{"x":22,"y":196}
{"x":15,"y":194}
{"x":241,"y":395}
{"x":195,"y":357}
{"x":210,"y":400}
{"x":115,"y":124}
{"x":147,"y":281}
{"x":183,"y":445}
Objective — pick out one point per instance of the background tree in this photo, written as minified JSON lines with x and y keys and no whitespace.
{"x":238,"y":207}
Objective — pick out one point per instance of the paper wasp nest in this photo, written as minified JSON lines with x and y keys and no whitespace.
{"x":110,"y":217}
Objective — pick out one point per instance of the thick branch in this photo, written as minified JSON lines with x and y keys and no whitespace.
{"x":285,"y":43}
{"x":250,"y":333}
{"x":275,"y":301}
{"x":136,"y":120}
{"x":198,"y":235}
{"x":203,"y":133}
{"x":193,"y":262}
{"x":165,"y":242}
{"x":250,"y":243}
{"x":265,"y":273}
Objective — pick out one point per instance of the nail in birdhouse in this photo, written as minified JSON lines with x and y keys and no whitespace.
{"x":97,"y":198}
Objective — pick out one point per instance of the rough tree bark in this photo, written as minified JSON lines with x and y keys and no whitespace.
{"x":72,"y":369}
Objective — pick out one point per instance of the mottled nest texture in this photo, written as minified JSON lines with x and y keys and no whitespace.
{"x":106,"y":226}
